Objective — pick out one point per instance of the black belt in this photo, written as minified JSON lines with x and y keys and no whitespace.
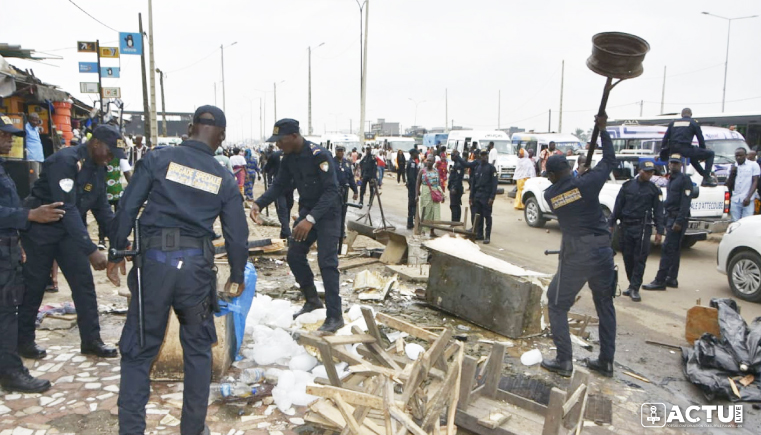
{"x":633,"y":221}
{"x":164,"y":243}
{"x":9,"y":241}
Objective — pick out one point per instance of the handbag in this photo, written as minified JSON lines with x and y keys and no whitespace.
{"x":437,"y":195}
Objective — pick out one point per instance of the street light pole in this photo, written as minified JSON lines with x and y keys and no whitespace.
{"x":309,"y":129}
{"x":726,"y":59}
{"x":163,"y":107}
{"x":363,"y":95}
{"x":416,"y":104}
{"x":222,"y":51}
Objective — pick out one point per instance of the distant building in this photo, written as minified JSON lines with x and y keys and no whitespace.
{"x":383,"y":128}
{"x":437,"y":130}
{"x":176,"y":123}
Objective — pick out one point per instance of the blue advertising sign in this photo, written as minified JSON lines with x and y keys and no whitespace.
{"x":111,"y":72}
{"x":130,"y":43}
{"x":88,"y":67}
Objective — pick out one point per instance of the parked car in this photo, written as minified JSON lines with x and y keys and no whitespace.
{"x":739,"y":258}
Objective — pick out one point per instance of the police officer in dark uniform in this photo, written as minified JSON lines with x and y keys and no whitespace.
{"x":412,"y":169}
{"x":585,"y":256}
{"x":677,"y":207}
{"x":456,"y":176}
{"x":369,"y":167}
{"x":638,"y":205}
{"x":678,"y":140}
{"x":345,"y":182}
{"x":482,"y":193}
{"x":312,"y":170}
{"x":75,"y":176}
{"x":188,"y":190}
{"x":284,"y":202}
{"x":13,"y":217}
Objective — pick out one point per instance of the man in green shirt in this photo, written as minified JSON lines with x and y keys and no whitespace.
{"x":114,"y":189}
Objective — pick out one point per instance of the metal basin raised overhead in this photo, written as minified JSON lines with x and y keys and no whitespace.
{"x":617,"y":55}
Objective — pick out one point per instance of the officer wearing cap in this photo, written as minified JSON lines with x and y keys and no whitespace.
{"x":369,"y":169}
{"x":456,"y":176}
{"x":482,"y":192}
{"x":678,"y":140}
{"x":188,"y":191}
{"x":75,"y":176}
{"x":638,"y":206}
{"x":345,"y":182}
{"x":284,"y":202}
{"x":13,"y":217}
{"x":677,"y":209}
{"x":312,"y":170}
{"x":411,"y":171}
{"x":585,"y":255}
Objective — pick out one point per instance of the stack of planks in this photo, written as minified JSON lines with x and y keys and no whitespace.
{"x":387,"y":393}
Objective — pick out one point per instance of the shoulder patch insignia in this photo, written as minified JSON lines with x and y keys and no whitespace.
{"x":193,"y":178}
{"x":566,"y":198}
{"x":324,"y":166}
{"x":66,"y":184}
{"x":88,"y":187}
{"x":315,"y":149}
{"x":687,"y":192}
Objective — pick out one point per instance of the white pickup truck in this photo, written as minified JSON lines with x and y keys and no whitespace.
{"x":707,"y":211}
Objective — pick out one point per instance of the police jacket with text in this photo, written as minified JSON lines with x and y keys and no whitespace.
{"x":13,"y":217}
{"x":412,"y":169}
{"x":680,"y":133}
{"x":575,"y":200}
{"x":186,"y":188}
{"x":313,"y":172}
{"x":72,"y":169}
{"x":678,"y":198}
{"x":456,"y":175}
{"x":638,"y":201}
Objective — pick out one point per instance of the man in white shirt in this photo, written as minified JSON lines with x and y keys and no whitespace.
{"x":493,"y":154}
{"x":745,"y":174}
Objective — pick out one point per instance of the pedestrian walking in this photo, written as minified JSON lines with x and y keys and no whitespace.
{"x":743,"y":183}
{"x":381,"y":162}
{"x":238,"y":161}
{"x":14,"y":217}
{"x":430,"y":195}
{"x":678,"y":140}
{"x":369,"y":168}
{"x":524,"y":170}
{"x":442,"y":165}
{"x":493,"y":154}
{"x":585,"y":256}
{"x":456,"y":176}
{"x":401,"y":165}
{"x":412,"y":170}
{"x":75,"y":176}
{"x":188,"y":191}
{"x":219,"y":155}
{"x":677,"y":209}
{"x":312,"y":170}
{"x":252,"y":172}
{"x":638,"y":206}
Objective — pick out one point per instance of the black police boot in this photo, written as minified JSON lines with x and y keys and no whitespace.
{"x":206,"y":430}
{"x":708,"y":182}
{"x":32,"y":351}
{"x":332,"y":324}
{"x":673,"y":283}
{"x":655,"y":285}
{"x":21,"y":381}
{"x":563,"y":368}
{"x":604,"y":368}
{"x":487,"y":241}
{"x":313,"y":302}
{"x":99,"y":349}
{"x":627,"y":292}
{"x":635,"y":295}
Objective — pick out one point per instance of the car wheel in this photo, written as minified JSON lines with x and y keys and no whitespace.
{"x":533,"y":213}
{"x":744,"y":275}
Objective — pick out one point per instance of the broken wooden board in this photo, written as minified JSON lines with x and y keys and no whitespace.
{"x":396,"y":249}
{"x":417,"y":273}
{"x":699,"y":321}
{"x":356,"y":262}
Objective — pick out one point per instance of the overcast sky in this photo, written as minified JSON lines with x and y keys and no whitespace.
{"x":417,"y":49}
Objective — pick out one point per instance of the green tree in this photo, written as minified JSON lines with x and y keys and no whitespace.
{"x":583,"y":136}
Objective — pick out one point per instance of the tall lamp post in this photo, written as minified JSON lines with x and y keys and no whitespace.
{"x":222,"y":51}
{"x":363,"y":65}
{"x":417,"y":103}
{"x":726,"y":60}
{"x":309,"y":129}
{"x":163,"y":107}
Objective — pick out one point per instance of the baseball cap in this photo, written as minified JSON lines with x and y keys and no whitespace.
{"x":340,"y":148}
{"x":648,"y":165}
{"x":109,"y":135}
{"x":282,"y":128}
{"x":675,"y":158}
{"x":219,"y":116}
{"x":557,"y":163}
{"x":6,"y":125}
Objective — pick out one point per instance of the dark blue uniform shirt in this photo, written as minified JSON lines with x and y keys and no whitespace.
{"x":72,"y":167}
{"x":345,"y":175}
{"x":456,"y":175}
{"x":575,"y":200}
{"x":412,"y":169}
{"x":681,"y":132}
{"x":679,"y":198}
{"x":186,"y":188}
{"x":313,"y":173}
{"x":484,"y":181}
{"x":13,"y":217}
{"x":369,"y":166}
{"x":638,"y":201}
{"x":273,"y":163}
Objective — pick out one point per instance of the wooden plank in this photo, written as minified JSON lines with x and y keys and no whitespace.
{"x":372,"y":327}
{"x":466,"y":382}
{"x":493,"y":423}
{"x":327,"y":359}
{"x":330,"y":413}
{"x":380,"y":354}
{"x":521,"y":402}
{"x":454,"y":395}
{"x":366,"y":262}
{"x":574,"y":399}
{"x":339,"y":340}
{"x":437,"y":349}
{"x":405,"y":420}
{"x":401,"y":325}
{"x":470,"y":423}
{"x":580,"y":423}
{"x":579,"y":378}
{"x":388,"y":399}
{"x":416,"y":377}
{"x":315,"y":418}
{"x":441,"y":398}
{"x":361,"y":412}
{"x":554,"y":416}
{"x":353,"y":397}
{"x":494,"y":369}
{"x":372,"y":368}
{"x":699,"y":321}
{"x":347,"y":414}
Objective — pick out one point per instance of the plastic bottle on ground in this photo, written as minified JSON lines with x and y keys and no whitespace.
{"x":252,"y":375}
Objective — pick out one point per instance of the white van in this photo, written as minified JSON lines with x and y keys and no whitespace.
{"x":539,"y":141}
{"x":507,"y":160}
{"x":349,"y":141}
{"x":393,"y":144}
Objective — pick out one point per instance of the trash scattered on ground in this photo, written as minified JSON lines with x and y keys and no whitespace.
{"x":534,"y":356}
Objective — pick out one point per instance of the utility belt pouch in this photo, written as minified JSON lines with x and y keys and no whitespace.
{"x":195,"y":315}
{"x":170,"y":239}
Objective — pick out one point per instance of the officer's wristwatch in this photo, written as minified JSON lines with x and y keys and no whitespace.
{"x":310,"y":219}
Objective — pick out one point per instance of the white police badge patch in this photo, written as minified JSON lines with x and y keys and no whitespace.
{"x":324,"y":166}
{"x":66,"y":184}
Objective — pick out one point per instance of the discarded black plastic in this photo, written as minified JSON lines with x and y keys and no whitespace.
{"x":712,"y":361}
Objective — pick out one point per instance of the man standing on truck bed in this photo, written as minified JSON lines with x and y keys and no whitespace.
{"x":678,"y":140}
{"x":677,"y":206}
